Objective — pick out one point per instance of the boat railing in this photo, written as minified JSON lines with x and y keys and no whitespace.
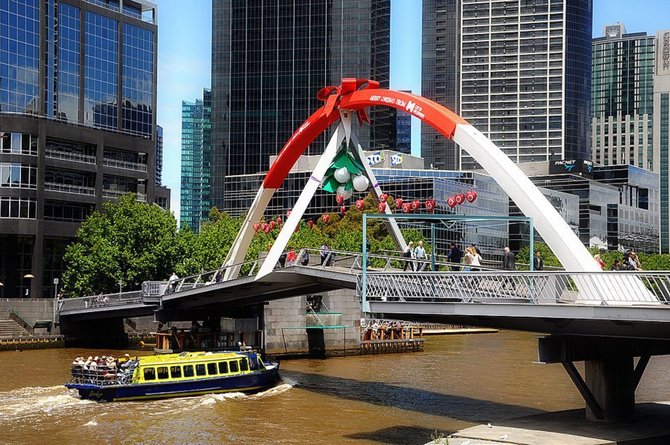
{"x":102,"y":376}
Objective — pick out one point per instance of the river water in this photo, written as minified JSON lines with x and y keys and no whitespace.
{"x":459,"y":381}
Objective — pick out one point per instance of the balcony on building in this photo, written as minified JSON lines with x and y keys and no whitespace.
{"x":125,"y":160}
{"x":73,"y":182}
{"x":116,"y":186}
{"x":137,"y":9}
{"x":70,"y":151}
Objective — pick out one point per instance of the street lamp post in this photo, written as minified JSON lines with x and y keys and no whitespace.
{"x":28,"y":277}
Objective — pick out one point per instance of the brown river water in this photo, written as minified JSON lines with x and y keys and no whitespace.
{"x":459,"y":381}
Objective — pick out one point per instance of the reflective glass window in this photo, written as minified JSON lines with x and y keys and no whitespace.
{"x":19,"y":56}
{"x":138,"y":80}
{"x":101,"y":71}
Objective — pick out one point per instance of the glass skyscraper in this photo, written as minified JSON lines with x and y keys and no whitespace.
{"x":196,"y":154}
{"x":622,"y":98}
{"x":661,"y":131}
{"x":519,"y":71}
{"x":77,"y":125}
{"x":270,"y":58}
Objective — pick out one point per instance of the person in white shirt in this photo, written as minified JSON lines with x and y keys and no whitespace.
{"x":420,"y":256}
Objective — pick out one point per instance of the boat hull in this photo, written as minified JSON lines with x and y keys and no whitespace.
{"x":247,"y":383}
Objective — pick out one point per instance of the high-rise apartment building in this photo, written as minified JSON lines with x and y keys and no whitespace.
{"x":77,"y":125}
{"x":270,"y":58}
{"x":519,"y":71}
{"x":622,"y":98}
{"x":661,"y":130}
{"x":196,"y":158}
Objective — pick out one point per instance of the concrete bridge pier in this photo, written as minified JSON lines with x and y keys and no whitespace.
{"x":99,"y":333}
{"x":612,"y":383}
{"x":611,"y":375}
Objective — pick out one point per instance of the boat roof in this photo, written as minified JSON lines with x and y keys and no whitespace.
{"x":188,"y":357}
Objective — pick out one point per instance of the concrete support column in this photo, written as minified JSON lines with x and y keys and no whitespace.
{"x":612,"y":383}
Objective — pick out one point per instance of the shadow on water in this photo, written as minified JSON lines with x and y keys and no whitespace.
{"x":400,"y":435}
{"x":411,"y":399}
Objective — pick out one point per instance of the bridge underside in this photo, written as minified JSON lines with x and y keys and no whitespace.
{"x":608,"y":339}
{"x":641,"y":322}
{"x":247,"y":291}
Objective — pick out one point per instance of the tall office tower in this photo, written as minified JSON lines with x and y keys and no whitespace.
{"x":661,"y":130}
{"x":77,"y":125}
{"x":622,"y":98}
{"x":525,"y":74}
{"x":196,"y":158}
{"x":159,"y":155}
{"x":403,"y":127}
{"x":270,"y":58}
{"x":440,"y":76}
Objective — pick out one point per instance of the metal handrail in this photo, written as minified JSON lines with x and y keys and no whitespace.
{"x":76,"y":157}
{"x":125,"y":165}
{"x":100,"y":301}
{"x":67,"y":188}
{"x":545,"y":287}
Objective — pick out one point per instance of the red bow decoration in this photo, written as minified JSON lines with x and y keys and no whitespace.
{"x":451,"y":202}
{"x":279,"y":220}
{"x":460,"y":198}
{"x":310,"y":223}
{"x":398,"y":203}
{"x":360,"y":204}
{"x":381,"y":207}
{"x":406,"y":207}
{"x":325,"y":218}
{"x":297,"y":228}
{"x":333,"y":95}
{"x":256,"y":226}
{"x":264,"y":227}
{"x":416,"y":204}
{"x":339,"y":199}
{"x":383,"y":197}
{"x":471,"y":196}
{"x":343,"y":210}
{"x":267,"y":229}
{"x":430,"y":204}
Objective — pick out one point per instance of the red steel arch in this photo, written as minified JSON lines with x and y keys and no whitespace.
{"x":356,"y":95}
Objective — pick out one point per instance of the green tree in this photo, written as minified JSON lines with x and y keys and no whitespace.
{"x":128,"y":241}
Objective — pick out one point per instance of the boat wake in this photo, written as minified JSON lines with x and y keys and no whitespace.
{"x":38,"y":401}
{"x":211,"y":399}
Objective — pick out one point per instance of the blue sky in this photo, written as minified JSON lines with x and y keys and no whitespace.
{"x":184,"y":58}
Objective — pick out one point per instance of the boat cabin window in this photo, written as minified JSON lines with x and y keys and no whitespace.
{"x":188,"y":371}
{"x":175,"y":372}
{"x":211,"y":368}
{"x":162,"y":372}
{"x":234,"y":367}
{"x":244,"y":365}
{"x":149,"y":373}
{"x":223,"y":367}
{"x":200,"y":369}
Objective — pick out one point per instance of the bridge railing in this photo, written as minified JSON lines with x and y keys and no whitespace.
{"x":100,"y":301}
{"x":159,"y":288}
{"x":601,"y":288}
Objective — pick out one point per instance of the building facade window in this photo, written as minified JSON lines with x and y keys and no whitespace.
{"x":101,"y":69}
{"x":69,"y":41}
{"x":23,"y":208}
{"x":18,"y":143}
{"x":20,"y":56}
{"x":16,"y":175}
{"x":138,"y":79}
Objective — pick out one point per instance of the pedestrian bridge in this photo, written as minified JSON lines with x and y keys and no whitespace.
{"x":618,"y":304}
